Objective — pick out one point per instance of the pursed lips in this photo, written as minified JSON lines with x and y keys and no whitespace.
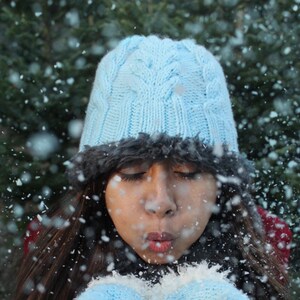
{"x":160,"y":241}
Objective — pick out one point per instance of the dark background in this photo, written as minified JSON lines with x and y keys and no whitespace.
{"x":49,"y":52}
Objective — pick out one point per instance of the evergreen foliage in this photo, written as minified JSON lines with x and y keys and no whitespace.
{"x":49,"y":52}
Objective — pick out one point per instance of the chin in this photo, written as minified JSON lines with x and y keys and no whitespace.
{"x":159,"y":258}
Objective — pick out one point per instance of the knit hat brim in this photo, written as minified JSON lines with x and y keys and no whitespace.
{"x":99,"y":161}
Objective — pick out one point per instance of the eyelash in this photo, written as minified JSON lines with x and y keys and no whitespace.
{"x":139,"y":176}
{"x":187,"y":176}
{"x":132,"y":177}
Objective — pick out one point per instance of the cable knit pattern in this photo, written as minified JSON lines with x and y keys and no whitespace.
{"x":100,"y":100}
{"x":150,"y":85}
{"x":194,"y":282}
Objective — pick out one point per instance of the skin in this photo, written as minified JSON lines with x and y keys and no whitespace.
{"x":161,"y":197}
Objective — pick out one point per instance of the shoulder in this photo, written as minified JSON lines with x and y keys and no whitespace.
{"x":278,"y":234}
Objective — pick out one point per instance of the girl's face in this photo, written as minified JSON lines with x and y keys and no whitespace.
{"x":161,"y":209}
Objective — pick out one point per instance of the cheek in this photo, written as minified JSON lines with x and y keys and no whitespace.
{"x":193,"y":225}
{"x":182,"y":191}
{"x":196,"y":207}
{"x":193,"y":198}
{"x":124,"y":207}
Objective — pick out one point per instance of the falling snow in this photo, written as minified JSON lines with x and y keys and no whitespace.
{"x":47,"y":74}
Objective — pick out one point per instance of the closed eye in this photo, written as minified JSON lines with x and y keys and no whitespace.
{"x":132,"y":177}
{"x":188,"y":175}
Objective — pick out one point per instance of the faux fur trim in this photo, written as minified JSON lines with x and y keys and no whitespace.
{"x":189,"y":273}
{"x":98,"y":161}
{"x":169,"y":282}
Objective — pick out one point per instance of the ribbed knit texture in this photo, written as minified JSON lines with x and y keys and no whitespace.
{"x":151,"y":85}
{"x":198,"y":282}
{"x":197,"y":290}
{"x":207,"y":290}
{"x":110,"y":292}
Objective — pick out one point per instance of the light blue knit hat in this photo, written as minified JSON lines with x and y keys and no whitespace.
{"x":154,"y":85}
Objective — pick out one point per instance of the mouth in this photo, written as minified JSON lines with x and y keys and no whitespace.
{"x":160,"y":242}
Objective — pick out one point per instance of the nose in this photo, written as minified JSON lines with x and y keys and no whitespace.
{"x":161,"y":200}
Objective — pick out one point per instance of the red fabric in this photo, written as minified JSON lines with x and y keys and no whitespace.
{"x":32,"y":232}
{"x":277,"y":231}
{"x":278,"y":234}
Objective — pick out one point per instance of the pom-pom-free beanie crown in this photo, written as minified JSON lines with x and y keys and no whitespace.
{"x":154,"y":85}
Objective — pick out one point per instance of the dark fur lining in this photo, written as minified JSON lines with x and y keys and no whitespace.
{"x":99,"y":161}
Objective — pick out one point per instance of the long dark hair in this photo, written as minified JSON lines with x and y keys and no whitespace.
{"x":81,"y":242}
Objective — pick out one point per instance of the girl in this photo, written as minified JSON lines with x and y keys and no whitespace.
{"x":160,"y":196}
